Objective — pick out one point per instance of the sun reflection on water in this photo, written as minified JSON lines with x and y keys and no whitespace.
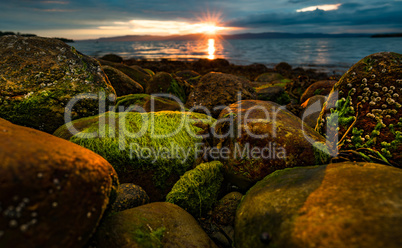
{"x":211,"y":49}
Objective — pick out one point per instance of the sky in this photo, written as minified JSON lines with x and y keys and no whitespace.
{"x":86,"y":19}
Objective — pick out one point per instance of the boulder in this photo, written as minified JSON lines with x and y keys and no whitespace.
{"x":323,"y":88}
{"x":256,"y":138}
{"x":215,"y":91}
{"x":363,"y":112}
{"x":275,"y":94}
{"x":151,"y":150}
{"x":197,"y":190}
{"x":122,"y":84}
{"x":283,"y":67}
{"x":112,"y":58}
{"x":336,"y":205}
{"x":53,"y":193}
{"x":40,"y":76}
{"x":164,"y":82}
{"x":129,"y":196}
{"x":159,"y":224}
{"x":136,"y":73}
{"x":269,"y":77}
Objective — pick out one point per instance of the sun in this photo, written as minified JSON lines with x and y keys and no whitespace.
{"x":209,"y":28}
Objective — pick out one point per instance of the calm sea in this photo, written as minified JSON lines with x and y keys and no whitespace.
{"x":324,"y":54}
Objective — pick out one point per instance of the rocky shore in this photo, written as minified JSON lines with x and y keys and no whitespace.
{"x":106,"y":152}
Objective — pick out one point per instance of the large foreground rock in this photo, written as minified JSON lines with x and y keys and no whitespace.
{"x":256,"y":138}
{"x":52,"y":192}
{"x":215,"y":91}
{"x":337,"y":205}
{"x":158,"y":224}
{"x":151,"y":150}
{"x":39,"y":77}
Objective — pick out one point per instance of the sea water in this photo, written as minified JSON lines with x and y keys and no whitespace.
{"x":324,"y":54}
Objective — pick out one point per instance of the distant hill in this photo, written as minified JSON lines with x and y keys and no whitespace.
{"x":33,"y":35}
{"x":270,"y":35}
{"x":386,"y":35}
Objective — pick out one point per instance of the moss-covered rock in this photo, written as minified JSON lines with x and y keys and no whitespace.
{"x":273,"y":93}
{"x":164,"y":82}
{"x":217,"y":90}
{"x":151,"y":150}
{"x":136,"y":73}
{"x":112,"y":58}
{"x":159,"y":224}
{"x":39,"y":77}
{"x":122,"y":84}
{"x":147,"y":103}
{"x":336,"y":205}
{"x":323,"y":88}
{"x":129,"y":196}
{"x":197,"y":190}
{"x":363,"y":112}
{"x":258,"y":137}
{"x":53,"y":193}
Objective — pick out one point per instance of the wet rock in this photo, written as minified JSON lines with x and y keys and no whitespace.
{"x":312,"y":109}
{"x":122,"y":84}
{"x":151,"y":150}
{"x":164,"y":82}
{"x":40,"y":76}
{"x":159,"y":224}
{"x":256,"y":138}
{"x":129,"y":196}
{"x":112,"y":58}
{"x":53,"y":193}
{"x":283,"y":67}
{"x":336,"y":205}
{"x":318,"y":88}
{"x":218,"y":90}
{"x":364,"y":110}
{"x":197,"y":190}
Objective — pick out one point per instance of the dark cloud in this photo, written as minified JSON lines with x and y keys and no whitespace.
{"x":259,"y":15}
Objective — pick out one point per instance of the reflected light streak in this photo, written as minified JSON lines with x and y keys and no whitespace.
{"x":211,"y":49}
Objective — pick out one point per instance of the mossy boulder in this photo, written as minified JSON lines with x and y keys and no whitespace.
{"x":273,"y":93}
{"x":147,"y":103}
{"x":129,"y":196}
{"x":159,"y":224}
{"x":136,"y":73}
{"x":363,"y":112}
{"x":323,"y":88}
{"x":218,"y":90}
{"x":256,"y":138}
{"x":53,"y":193}
{"x":151,"y":150}
{"x":39,"y":77}
{"x":197,"y":190}
{"x":122,"y":84}
{"x":163,"y":82}
{"x":336,"y":205}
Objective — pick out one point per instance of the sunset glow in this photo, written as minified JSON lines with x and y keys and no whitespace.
{"x":326,"y":7}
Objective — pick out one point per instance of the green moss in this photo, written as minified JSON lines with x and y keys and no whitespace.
{"x":197,"y":190}
{"x":137,"y":147}
{"x":177,"y":90}
{"x":150,"y":72}
{"x":317,"y":92}
{"x":321,"y":153}
{"x":148,"y":239}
